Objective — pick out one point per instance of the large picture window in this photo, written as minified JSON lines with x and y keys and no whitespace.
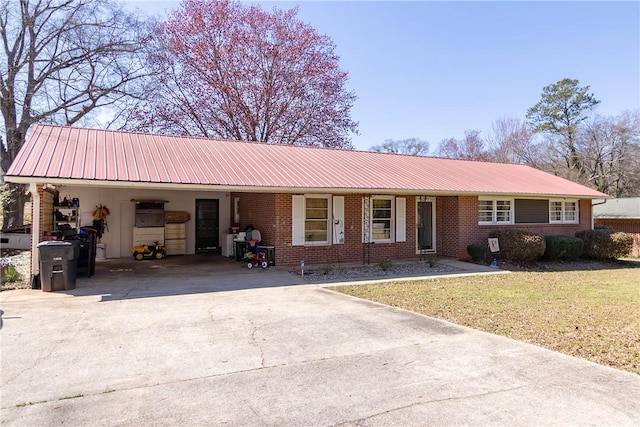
{"x":531,"y":211}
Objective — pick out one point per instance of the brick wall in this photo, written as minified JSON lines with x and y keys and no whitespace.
{"x":456,"y":227}
{"x":272,"y":215}
{"x":259,"y":210}
{"x":471,"y":232}
{"x":447,"y":223}
{"x":630,"y":226}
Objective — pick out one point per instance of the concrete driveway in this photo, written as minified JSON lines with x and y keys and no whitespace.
{"x":257,"y":348}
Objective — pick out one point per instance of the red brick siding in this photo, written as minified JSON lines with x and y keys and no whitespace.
{"x":456,"y":227}
{"x":447,"y":224}
{"x":280,"y":231}
{"x":630,"y":226}
{"x":471,"y":232}
{"x":259,"y":210}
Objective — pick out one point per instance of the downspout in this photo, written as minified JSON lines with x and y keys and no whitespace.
{"x":596,"y":204}
{"x":35,"y":231}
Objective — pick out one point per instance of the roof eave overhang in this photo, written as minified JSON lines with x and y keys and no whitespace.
{"x":265,"y":189}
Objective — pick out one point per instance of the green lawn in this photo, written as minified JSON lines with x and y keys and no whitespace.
{"x":590,"y":314}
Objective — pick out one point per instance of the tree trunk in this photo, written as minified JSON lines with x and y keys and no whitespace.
{"x":13,"y":206}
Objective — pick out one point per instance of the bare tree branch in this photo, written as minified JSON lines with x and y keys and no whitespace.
{"x":65,"y":61}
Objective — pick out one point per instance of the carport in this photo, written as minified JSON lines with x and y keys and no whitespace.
{"x":126,"y":278}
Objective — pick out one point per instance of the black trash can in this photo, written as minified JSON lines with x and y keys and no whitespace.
{"x":58,"y":263}
{"x":86,"y":239}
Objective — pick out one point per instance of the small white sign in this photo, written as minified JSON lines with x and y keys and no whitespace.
{"x":493,"y":244}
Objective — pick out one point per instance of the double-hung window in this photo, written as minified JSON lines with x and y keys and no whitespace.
{"x":563,"y":211}
{"x":382,"y":218}
{"x":495,"y":211}
{"x":316,"y":220}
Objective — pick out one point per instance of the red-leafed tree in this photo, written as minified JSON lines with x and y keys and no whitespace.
{"x":472,"y":147}
{"x":229,"y":70}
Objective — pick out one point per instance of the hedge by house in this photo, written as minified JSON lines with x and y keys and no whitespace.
{"x":605,"y":243}
{"x":519,"y":245}
{"x":563,"y":247}
{"x":477,"y":252}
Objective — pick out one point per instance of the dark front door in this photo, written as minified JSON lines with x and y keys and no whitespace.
{"x":425,"y":226}
{"x":207,"y":225}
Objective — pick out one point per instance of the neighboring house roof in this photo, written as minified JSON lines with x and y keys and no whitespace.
{"x":68,"y":155}
{"x":627,"y":207}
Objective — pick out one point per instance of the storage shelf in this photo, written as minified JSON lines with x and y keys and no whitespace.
{"x":71,"y":214}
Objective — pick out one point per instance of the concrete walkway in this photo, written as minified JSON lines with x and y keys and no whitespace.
{"x":193,"y":349}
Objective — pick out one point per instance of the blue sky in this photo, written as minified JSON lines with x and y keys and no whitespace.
{"x":432,"y":70}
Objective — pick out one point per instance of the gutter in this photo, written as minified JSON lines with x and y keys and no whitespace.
{"x":596,"y":204}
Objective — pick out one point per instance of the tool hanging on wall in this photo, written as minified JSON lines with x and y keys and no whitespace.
{"x":100,"y":219}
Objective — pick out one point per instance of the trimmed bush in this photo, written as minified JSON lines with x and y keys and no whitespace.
{"x":519,"y":245}
{"x":605,"y":243}
{"x":563,"y":247}
{"x":476,"y":252}
{"x":385,"y":264}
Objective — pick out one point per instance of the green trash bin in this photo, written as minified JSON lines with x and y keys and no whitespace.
{"x":58,"y":263}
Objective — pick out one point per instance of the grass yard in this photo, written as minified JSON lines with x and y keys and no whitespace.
{"x":591,"y":314}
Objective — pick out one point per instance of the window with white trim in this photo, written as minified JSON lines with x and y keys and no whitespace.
{"x":382,"y":219}
{"x":563,"y":211}
{"x":495,"y":211}
{"x":316,"y":220}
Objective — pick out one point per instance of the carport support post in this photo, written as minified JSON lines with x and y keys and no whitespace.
{"x":35,"y":229}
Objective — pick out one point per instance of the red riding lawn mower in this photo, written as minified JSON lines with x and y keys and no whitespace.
{"x":155,"y":251}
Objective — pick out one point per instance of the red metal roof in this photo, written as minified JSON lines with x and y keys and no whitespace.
{"x":59,"y":153}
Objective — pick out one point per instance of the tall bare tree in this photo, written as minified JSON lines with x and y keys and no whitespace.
{"x":609,"y":148}
{"x":63,"y":61}
{"x":472,"y":147}
{"x":511,"y":141}
{"x":410,"y":146}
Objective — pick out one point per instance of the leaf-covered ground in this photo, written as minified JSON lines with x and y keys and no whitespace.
{"x":591,"y":314}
